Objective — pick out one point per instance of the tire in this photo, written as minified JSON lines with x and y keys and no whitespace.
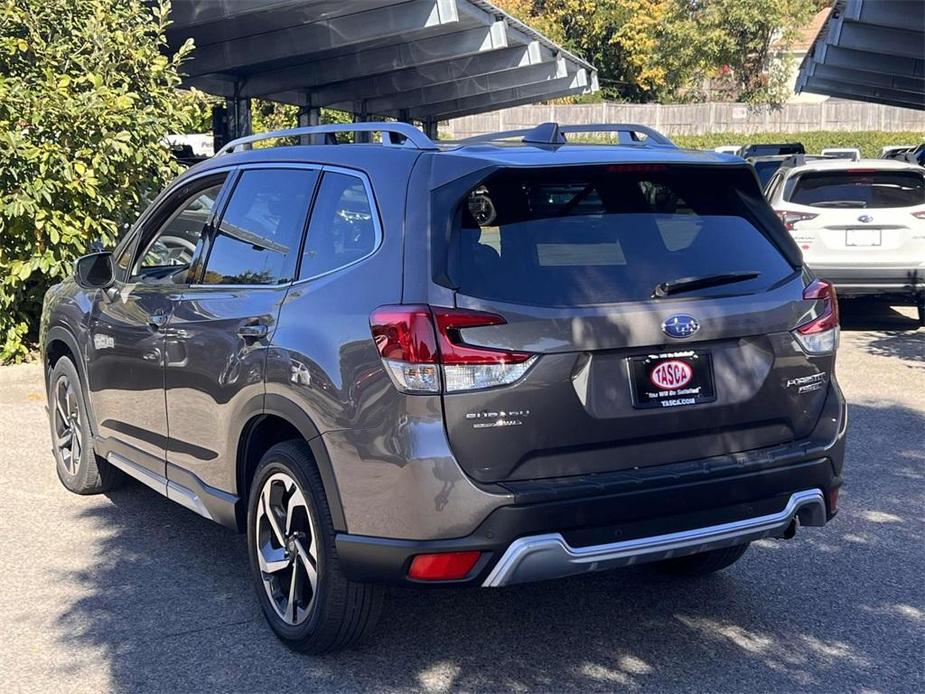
{"x":920,"y":307}
{"x":330,"y":614}
{"x":79,"y":468}
{"x":702,"y":563}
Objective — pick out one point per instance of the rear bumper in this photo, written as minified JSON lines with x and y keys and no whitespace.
{"x":541,"y":557}
{"x":864,"y":281}
{"x":567,"y":526}
{"x":555,"y":539}
{"x":561,"y":527}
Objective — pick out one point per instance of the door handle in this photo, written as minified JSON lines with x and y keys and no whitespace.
{"x":157,"y":320}
{"x":253,"y":331}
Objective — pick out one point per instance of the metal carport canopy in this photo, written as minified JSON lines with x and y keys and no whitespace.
{"x":421,"y":60}
{"x":869,"y":50}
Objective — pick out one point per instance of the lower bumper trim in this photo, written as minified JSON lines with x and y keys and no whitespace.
{"x":541,"y":557}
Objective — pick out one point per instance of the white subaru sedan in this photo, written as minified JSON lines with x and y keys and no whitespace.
{"x":860,"y":224}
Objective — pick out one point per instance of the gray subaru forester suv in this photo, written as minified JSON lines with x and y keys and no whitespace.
{"x":481,"y":363}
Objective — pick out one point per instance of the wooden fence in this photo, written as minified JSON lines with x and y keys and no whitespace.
{"x":700,"y":119}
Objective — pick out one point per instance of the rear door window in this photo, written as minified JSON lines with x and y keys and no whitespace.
{"x":560,"y":237}
{"x":859,"y":189}
{"x":257,"y":241}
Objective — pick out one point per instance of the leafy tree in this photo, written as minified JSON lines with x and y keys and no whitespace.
{"x":272,"y":115}
{"x":86,"y":98}
{"x":750,"y":38}
{"x":663,"y":50}
{"x":619,"y":37}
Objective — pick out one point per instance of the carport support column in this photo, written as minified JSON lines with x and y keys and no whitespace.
{"x":430,"y":128}
{"x":239,"y":116}
{"x":360,"y":115}
{"x":308,"y":116}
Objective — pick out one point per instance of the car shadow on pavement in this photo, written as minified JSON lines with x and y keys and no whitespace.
{"x":890,"y":333}
{"x":865,"y":314}
{"x":907,"y":346}
{"x":169,"y":605}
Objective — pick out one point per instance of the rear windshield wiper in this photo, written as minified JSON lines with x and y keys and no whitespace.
{"x":687,"y":284}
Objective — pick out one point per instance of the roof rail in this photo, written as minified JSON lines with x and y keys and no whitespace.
{"x":554,"y":134}
{"x":393,"y":134}
{"x":794,"y":160}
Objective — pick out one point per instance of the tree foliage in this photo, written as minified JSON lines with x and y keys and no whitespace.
{"x":272,"y":115}
{"x":750,"y":39}
{"x":663,"y":50}
{"x":86,"y":98}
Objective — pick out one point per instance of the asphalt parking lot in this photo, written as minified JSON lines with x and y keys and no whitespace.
{"x":129,"y":592}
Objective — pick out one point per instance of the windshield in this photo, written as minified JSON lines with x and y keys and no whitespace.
{"x":551,"y":238}
{"x":859,"y":189}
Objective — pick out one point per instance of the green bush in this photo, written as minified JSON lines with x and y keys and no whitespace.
{"x":869,"y":142}
{"x":86,"y":98}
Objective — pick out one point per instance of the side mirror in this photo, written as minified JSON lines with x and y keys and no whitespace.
{"x":95,"y":271}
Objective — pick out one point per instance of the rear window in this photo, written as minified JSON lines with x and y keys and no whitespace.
{"x":567,"y":237}
{"x":766,"y":169}
{"x":867,"y":189}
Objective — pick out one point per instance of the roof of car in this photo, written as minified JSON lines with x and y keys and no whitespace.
{"x":862,"y":164}
{"x":547,"y":144}
{"x":527,"y":154}
{"x":499,"y":154}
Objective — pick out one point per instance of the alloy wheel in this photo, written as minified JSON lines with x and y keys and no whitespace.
{"x":68,"y":431}
{"x":287,"y":548}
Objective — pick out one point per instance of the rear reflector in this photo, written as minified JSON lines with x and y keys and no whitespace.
{"x":446,"y":566}
{"x":820,"y":334}
{"x":418,"y":343}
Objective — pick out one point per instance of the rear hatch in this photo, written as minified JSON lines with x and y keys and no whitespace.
{"x":658,"y":309}
{"x":859,"y":216}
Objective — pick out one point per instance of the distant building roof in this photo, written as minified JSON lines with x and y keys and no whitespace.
{"x":809,"y":32}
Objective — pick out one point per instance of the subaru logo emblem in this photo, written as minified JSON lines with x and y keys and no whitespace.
{"x":680,"y":326}
{"x":865,"y":218}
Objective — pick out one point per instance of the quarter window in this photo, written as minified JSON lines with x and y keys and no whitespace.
{"x":342,"y":229}
{"x":257,"y":241}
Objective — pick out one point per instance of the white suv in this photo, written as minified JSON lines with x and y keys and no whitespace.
{"x":860,"y":224}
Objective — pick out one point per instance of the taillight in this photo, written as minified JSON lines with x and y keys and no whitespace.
{"x":919,"y":215}
{"x":791,"y":218}
{"x":445,"y":566}
{"x":820,"y":334}
{"x":420,"y":343}
{"x":408,"y":346}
